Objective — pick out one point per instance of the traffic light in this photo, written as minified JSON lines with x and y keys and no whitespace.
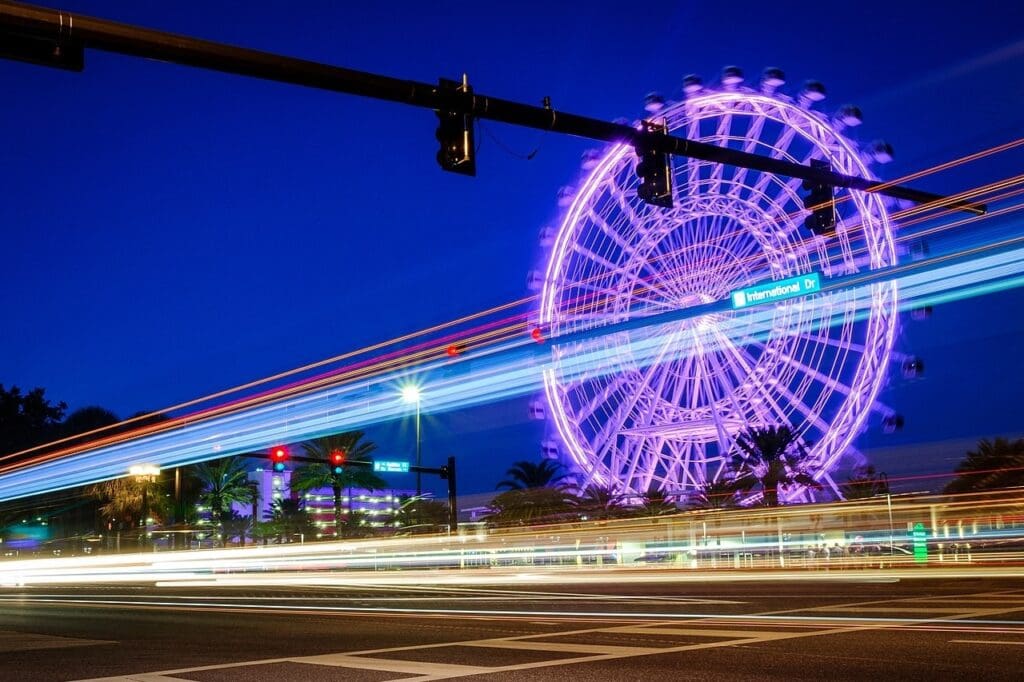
{"x":821,"y":202}
{"x":337,"y":458}
{"x":455,"y":132}
{"x":654,"y":169}
{"x":278,"y":457}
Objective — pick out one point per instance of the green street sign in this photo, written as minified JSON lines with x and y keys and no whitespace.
{"x":778,"y":290}
{"x":386,"y":467}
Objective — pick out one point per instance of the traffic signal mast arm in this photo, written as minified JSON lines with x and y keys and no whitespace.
{"x":41,"y":35}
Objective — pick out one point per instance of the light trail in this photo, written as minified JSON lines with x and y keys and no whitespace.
{"x":979,"y":192}
{"x":506,"y":368}
{"x":970,"y":536}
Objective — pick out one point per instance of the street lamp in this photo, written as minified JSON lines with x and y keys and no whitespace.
{"x":411,"y":394}
{"x":146,"y":473}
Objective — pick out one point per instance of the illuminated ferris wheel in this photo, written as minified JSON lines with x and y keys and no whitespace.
{"x":663,"y":409}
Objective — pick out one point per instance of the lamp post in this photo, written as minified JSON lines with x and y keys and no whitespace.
{"x":146,"y":474}
{"x":412,"y":394}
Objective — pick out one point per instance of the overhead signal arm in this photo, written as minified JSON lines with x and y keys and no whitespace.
{"x":54,"y":38}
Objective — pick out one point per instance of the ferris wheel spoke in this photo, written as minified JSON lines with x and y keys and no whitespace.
{"x":601,"y":397}
{"x":753,"y":136}
{"x":612,"y":233}
{"x":809,"y":413}
{"x":779,"y":150}
{"x":704,"y":382}
{"x":616,"y":421}
{"x":828,"y":382}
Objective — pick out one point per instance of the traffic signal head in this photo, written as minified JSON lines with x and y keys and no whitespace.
{"x":278,"y":457}
{"x":455,"y":132}
{"x":337,"y":458}
{"x":654,"y":170}
{"x":821,"y":202}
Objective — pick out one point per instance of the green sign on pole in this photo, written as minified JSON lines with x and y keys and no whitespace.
{"x":778,"y":290}
{"x":920,"y":537}
{"x":395,"y":467}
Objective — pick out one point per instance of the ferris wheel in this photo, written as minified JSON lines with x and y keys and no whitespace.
{"x":664,"y":410}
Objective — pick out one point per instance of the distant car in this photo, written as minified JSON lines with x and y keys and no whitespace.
{"x":653,"y":558}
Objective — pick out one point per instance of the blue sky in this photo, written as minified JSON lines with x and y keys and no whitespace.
{"x":168,"y":232}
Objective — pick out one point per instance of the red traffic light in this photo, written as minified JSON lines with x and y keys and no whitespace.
{"x":278,"y":457}
{"x":337,"y":457}
{"x":537,"y":334}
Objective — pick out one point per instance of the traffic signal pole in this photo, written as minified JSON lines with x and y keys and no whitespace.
{"x":57,"y":38}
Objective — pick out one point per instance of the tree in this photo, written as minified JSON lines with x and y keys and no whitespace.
{"x":599,"y":502}
{"x":770,"y":458}
{"x":321,"y":475}
{"x":655,"y":502}
{"x":532,"y":505}
{"x":288,"y":518}
{"x":224,"y":482}
{"x":234,"y":525}
{"x":864,"y":483}
{"x":991,"y":465}
{"x":123,"y":500}
{"x":423,"y":514}
{"x":524,"y":475}
{"x":26,"y":419}
{"x":720,"y":494}
{"x":86,"y":419}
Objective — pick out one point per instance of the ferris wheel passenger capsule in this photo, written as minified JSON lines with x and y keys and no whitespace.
{"x":812,"y":93}
{"x":732,"y":77}
{"x":537,"y":410}
{"x":534,"y":280}
{"x":565,"y":196}
{"x":848,"y":116}
{"x":692,"y":85}
{"x":549,"y":449}
{"x":547,"y":236}
{"x":772,"y":79}
{"x":653,"y":102}
{"x":880,"y":151}
{"x":590,"y":159}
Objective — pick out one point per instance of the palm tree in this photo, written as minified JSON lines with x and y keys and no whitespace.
{"x":224,"y":482}
{"x":321,"y":475}
{"x":599,"y":502}
{"x":864,"y":483}
{"x":993,"y":464}
{"x":288,"y":517}
{"x":720,"y":494}
{"x":771,"y":457}
{"x":125,"y":500}
{"x":655,"y":502}
{"x":531,"y":505}
{"x":524,"y":475}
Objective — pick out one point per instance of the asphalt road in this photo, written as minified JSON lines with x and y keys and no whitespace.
{"x":834,"y":628}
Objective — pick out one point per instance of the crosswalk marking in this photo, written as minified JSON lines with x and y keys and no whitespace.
{"x":819,"y":624}
{"x":565,"y":647}
{"x":26,"y":641}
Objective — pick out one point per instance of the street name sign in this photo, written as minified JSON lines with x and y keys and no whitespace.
{"x":393,"y":467}
{"x":778,"y":290}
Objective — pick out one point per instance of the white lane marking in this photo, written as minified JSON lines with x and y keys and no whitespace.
{"x":984,"y":641}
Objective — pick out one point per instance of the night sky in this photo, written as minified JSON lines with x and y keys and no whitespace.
{"x":169,"y":232}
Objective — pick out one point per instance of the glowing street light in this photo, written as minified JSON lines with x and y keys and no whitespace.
{"x":411,"y":393}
